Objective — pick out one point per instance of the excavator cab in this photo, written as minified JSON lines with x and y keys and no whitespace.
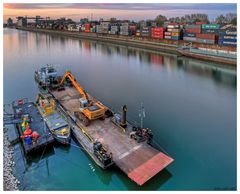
{"x":83,"y":102}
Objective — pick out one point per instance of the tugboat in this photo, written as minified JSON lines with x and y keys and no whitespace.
{"x":56,"y":122}
{"x":46,"y":76}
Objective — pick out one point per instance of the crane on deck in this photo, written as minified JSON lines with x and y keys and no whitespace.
{"x":90,"y":108}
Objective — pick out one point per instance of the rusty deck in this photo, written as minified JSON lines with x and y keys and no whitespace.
{"x":138,"y":160}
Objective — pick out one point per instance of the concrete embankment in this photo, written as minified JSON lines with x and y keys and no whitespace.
{"x":168,"y":46}
{"x":121,"y":40}
{"x":10,"y":182}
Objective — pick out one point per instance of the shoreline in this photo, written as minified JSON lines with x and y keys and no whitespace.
{"x":10,"y":182}
{"x":167,"y":46}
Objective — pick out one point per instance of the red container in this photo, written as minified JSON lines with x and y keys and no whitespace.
{"x":206,"y":36}
{"x":132,"y":27}
{"x":193,"y":30}
{"x":157,"y":33}
{"x":157,"y":37}
{"x":200,"y":23}
{"x":87,"y":27}
{"x":158,"y":29}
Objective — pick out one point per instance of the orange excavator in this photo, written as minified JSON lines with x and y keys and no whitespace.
{"x":90,"y":108}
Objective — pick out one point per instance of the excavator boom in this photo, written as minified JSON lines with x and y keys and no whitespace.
{"x":70,"y":76}
{"x":90,"y":109}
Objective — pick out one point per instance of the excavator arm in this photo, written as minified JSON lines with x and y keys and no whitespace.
{"x":70,"y":76}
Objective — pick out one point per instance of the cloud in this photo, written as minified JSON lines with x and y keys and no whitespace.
{"x":124,"y":6}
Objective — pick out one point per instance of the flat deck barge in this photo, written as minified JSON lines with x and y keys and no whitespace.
{"x":138,"y":160}
{"x":22,"y":108}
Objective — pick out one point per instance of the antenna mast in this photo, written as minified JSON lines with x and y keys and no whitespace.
{"x":142,"y":114}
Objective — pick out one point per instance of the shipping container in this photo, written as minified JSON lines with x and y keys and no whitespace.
{"x":87,"y":27}
{"x":210,"y":26}
{"x":191,"y":39}
{"x":228,"y":30}
{"x":157,"y":29}
{"x":189,"y":34}
{"x":176,"y":34}
{"x":158,"y":35}
{"x":227,"y":43}
{"x":173,"y":26}
{"x":192,"y":26}
{"x":200,"y":23}
{"x":176,"y":30}
{"x":210,"y":31}
{"x":175,"y":37}
{"x":228,"y":37}
{"x":206,"y":41}
{"x":132,"y":27}
{"x":168,"y":37}
{"x":206,"y":36}
{"x":168,"y":33}
{"x":193,"y":30}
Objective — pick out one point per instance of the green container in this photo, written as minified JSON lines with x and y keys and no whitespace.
{"x":210,"y":26}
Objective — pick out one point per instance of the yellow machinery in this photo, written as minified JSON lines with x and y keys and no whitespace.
{"x":48,"y":107}
{"x":89,"y":108}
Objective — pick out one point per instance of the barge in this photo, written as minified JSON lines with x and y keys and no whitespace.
{"x":40,"y":136}
{"x":108,"y":139}
{"x":217,"y":56}
{"x":56,"y":122}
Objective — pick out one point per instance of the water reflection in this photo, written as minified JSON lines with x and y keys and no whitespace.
{"x":154,"y":60}
{"x":187,"y":101}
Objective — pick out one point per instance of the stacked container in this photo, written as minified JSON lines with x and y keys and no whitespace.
{"x":132,"y":29}
{"x":206,"y":38}
{"x":174,"y":32}
{"x":228,"y":35}
{"x":87,"y":27}
{"x":193,"y":29}
{"x":145,"y":31}
{"x":157,"y":33}
{"x":124,"y":29}
{"x":210,"y":28}
{"x":114,"y":30}
{"x":93,"y":28}
{"x":200,"y":23}
{"x":102,"y":28}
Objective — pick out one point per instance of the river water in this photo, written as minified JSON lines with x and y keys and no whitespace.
{"x":190,"y":106}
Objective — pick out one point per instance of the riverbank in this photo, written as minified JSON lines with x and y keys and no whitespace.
{"x":10,"y":182}
{"x":168,"y":46}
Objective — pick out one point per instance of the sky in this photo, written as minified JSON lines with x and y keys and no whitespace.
{"x":134,"y":11}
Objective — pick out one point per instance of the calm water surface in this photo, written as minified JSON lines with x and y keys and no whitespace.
{"x":190,"y":106}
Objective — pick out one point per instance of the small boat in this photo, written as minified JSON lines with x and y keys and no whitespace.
{"x":229,"y":58}
{"x":46,"y":76}
{"x":55,"y":120}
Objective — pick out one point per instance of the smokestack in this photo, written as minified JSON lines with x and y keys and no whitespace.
{"x":124,"y":116}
